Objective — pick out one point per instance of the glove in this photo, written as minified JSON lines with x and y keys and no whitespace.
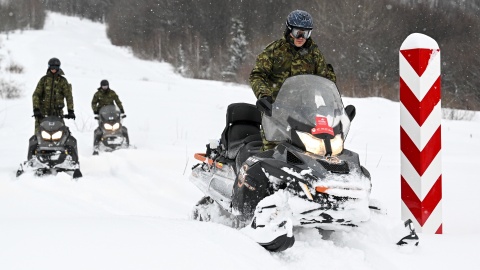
{"x":71,"y":115}
{"x":264,"y":104}
{"x":95,"y":112}
{"x":37,"y":114}
{"x":122,"y":111}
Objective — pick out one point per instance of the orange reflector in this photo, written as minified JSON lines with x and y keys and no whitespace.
{"x":321,"y":189}
{"x":202,"y":157}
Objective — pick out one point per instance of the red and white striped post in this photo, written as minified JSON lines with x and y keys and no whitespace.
{"x":420,"y":133}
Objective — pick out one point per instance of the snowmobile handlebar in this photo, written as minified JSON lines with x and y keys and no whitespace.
{"x":122,"y":116}
{"x":66,"y":116}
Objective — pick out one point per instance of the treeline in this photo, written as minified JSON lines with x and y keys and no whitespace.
{"x":21,"y":14}
{"x":220,"y":39}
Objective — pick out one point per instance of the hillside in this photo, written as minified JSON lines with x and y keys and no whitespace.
{"x":131,"y":209}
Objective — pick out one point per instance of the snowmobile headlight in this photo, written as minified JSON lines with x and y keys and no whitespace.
{"x":111,"y":127}
{"x":57,"y":135}
{"x":317,"y":146}
{"x":46,"y":135}
{"x":337,"y":145}
{"x":107,"y":126}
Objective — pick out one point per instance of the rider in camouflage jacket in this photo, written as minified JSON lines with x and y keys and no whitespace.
{"x":105,"y":96}
{"x":52,"y":89}
{"x":294,"y":54}
{"x":281,"y":59}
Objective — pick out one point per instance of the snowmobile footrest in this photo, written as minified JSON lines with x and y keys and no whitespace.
{"x":412,"y":238}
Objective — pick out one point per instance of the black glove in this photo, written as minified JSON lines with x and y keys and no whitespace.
{"x":71,"y":115}
{"x":37,"y":114}
{"x":264,"y":104}
{"x":95,"y":112}
{"x":122,"y":111}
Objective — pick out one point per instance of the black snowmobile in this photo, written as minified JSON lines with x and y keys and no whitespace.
{"x":53,"y":149}
{"x":110,"y":134}
{"x":309,"y":179}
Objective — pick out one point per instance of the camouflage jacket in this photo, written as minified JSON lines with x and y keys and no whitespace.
{"x":280,"y":60}
{"x":104,"y":98}
{"x":51,"y":91}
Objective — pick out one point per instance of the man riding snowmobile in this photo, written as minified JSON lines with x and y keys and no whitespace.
{"x":52,"y":148}
{"x":309,"y":179}
{"x":110,"y":133}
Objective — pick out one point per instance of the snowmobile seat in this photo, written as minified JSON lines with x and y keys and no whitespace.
{"x":252,"y":145}
{"x":243,"y":121}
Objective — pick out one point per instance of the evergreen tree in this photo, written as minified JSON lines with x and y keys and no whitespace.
{"x":237,"y":50}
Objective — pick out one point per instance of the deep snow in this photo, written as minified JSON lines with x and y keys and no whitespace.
{"x":131,"y":209}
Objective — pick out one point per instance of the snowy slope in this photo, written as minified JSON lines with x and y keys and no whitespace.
{"x":131,"y":208}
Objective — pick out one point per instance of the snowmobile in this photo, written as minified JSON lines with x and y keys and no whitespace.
{"x":110,"y":134}
{"x":53,"y":149}
{"x":308,"y":180}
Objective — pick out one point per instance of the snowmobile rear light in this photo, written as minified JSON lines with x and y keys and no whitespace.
{"x":111,"y":127}
{"x":317,"y":146}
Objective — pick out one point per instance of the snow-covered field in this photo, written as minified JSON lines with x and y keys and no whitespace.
{"x":131,"y":208}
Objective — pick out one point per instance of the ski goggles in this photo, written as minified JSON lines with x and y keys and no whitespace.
{"x":299,"y":33}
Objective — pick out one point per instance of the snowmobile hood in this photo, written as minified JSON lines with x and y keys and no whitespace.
{"x":306,"y":103}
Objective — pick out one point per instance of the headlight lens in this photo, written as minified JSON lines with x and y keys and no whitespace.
{"x":110,"y":127}
{"x":337,"y":145}
{"x":57,"y":135}
{"x":317,"y":146}
{"x":46,"y":135}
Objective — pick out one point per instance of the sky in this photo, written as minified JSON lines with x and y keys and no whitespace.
{"x":131,"y":209}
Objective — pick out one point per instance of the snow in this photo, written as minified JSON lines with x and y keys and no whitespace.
{"x":419,"y":41}
{"x":131,"y":209}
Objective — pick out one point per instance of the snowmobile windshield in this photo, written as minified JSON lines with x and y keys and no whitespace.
{"x":308,"y":104}
{"x":52,"y":123}
{"x":109,"y":114}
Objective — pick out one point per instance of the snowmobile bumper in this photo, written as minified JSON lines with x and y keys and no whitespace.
{"x":37,"y":166}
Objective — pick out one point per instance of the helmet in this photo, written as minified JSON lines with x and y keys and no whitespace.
{"x":54,"y":62}
{"x":104,"y":83}
{"x":299,"y":19}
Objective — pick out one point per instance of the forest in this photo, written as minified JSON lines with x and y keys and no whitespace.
{"x":220,"y":39}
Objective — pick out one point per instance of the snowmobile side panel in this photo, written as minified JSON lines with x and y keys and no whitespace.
{"x":250,"y":187}
{"x":32,"y":145}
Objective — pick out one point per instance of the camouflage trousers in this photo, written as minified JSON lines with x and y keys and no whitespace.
{"x":267,"y":145}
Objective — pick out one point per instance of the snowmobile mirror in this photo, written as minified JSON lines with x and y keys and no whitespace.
{"x":96,"y":117}
{"x":124,"y":115}
{"x":351,"y":111}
